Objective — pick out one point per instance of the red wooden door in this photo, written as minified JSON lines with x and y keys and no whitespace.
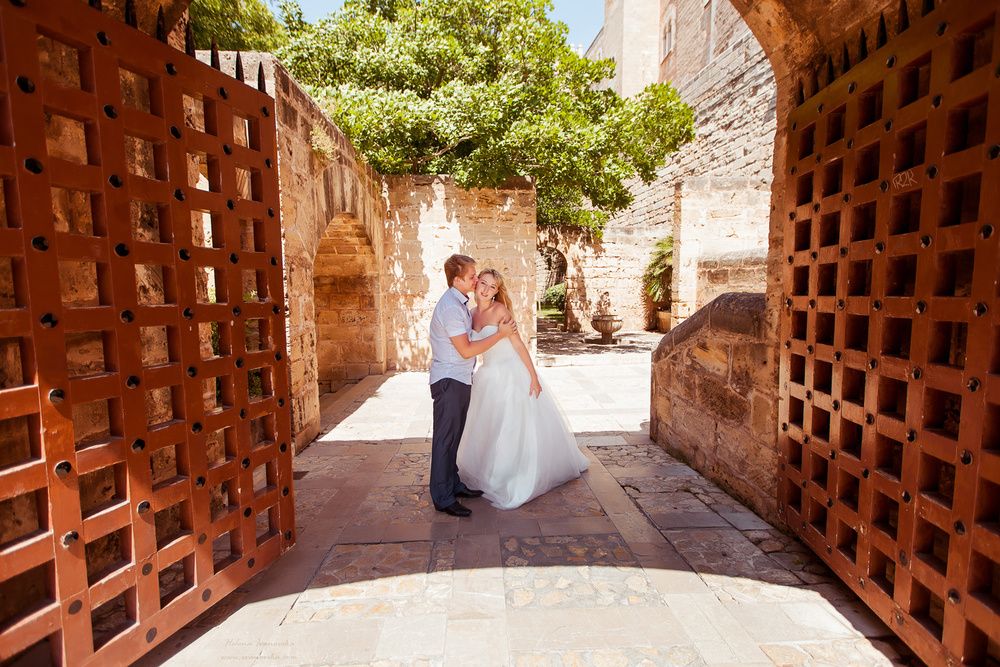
{"x":144,"y":414}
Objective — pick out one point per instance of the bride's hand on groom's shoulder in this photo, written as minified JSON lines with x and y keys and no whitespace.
{"x":507,"y":327}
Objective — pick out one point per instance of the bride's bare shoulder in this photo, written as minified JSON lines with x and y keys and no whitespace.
{"x":498,"y":312}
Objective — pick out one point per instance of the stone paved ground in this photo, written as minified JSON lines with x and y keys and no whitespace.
{"x":639,"y":562}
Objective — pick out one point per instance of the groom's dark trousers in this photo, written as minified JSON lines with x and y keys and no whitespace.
{"x":451,"y":405}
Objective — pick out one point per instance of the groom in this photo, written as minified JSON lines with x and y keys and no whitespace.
{"x":454,"y":358}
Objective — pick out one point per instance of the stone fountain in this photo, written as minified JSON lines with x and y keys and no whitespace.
{"x":606,"y":323}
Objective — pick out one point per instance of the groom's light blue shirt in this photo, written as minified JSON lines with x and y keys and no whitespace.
{"x":451,"y":318}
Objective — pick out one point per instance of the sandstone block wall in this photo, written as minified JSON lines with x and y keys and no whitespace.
{"x":692,"y":35}
{"x":628,"y":37}
{"x":714,"y":398}
{"x":738,"y":271}
{"x":713,"y":196}
{"x":605,"y":276}
{"x":428,"y":219}
{"x":703,"y":31}
{"x":734,"y":98}
{"x":639,"y":64}
{"x":350,"y":342}
{"x":323,"y":181}
{"x":713,"y":216}
{"x":722,"y":180}
{"x":314,"y":191}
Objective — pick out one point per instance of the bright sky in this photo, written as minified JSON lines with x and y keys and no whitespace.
{"x":584,"y":17}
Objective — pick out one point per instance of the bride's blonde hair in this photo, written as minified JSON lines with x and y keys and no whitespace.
{"x":502,"y":296}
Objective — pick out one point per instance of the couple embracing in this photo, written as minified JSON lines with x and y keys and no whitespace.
{"x":504,"y":437}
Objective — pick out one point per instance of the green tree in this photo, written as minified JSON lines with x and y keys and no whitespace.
{"x":238,"y":25}
{"x":485,"y":90}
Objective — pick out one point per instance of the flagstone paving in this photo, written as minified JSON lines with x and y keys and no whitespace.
{"x":641,"y":561}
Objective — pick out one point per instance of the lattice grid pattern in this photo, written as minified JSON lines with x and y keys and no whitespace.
{"x":169,"y":274}
{"x":890,"y":405}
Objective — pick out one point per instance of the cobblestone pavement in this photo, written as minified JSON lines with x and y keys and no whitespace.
{"x":641,"y":561}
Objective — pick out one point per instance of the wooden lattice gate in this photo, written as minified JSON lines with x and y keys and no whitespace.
{"x":169,"y":276}
{"x":890,"y":415}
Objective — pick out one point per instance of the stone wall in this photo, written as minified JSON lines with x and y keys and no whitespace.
{"x":738,"y":271}
{"x":703,"y":30}
{"x":428,"y":219}
{"x":628,"y":38}
{"x":714,"y":398}
{"x":721,"y":193}
{"x":713,"y":216}
{"x":638,"y":66}
{"x":712,"y":196}
{"x":332,"y":217}
{"x":604,"y":276}
{"x":347,"y":296}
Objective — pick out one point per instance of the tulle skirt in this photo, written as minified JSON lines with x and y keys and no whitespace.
{"x":515,"y":447}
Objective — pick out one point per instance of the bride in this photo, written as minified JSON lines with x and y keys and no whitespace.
{"x":517,"y":443}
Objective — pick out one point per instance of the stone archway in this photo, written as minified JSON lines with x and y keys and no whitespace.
{"x":550,"y":271}
{"x":563,"y":242}
{"x":350,"y":336}
{"x":551,"y":268}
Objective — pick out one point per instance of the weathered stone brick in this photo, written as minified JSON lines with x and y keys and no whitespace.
{"x":739,"y":314}
{"x":752,"y":460}
{"x":711,"y":356}
{"x":717,"y":398}
{"x":752,"y":368}
{"x":718,"y":276}
{"x":338,"y":333}
{"x":662,"y":405}
{"x":765,"y":417}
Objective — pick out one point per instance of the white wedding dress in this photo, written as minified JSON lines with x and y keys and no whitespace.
{"x":515,"y":447}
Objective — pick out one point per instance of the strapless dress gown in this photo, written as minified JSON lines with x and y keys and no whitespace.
{"x":515,"y":447}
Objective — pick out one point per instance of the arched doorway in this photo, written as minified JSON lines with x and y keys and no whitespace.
{"x":551,"y":280}
{"x":350,"y":337}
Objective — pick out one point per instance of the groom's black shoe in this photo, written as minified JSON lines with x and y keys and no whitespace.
{"x":469,"y":493}
{"x":456,"y":509}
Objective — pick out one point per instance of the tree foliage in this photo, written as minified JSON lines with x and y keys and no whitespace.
{"x":485,"y":90}
{"x":237,"y":25}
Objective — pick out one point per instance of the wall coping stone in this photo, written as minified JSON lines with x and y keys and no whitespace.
{"x":739,"y":313}
{"x":749,"y":256}
{"x":733,"y":312}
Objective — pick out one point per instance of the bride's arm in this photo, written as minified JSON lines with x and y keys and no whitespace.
{"x":522,"y":351}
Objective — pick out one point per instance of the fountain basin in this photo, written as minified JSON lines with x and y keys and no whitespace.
{"x":606,"y":325}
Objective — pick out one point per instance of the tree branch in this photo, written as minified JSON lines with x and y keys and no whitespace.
{"x":432,"y":156}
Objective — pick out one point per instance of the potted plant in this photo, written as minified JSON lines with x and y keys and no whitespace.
{"x":657,"y":277}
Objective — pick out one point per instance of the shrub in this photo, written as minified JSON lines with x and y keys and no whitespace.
{"x":660,"y":270}
{"x":555,"y":297}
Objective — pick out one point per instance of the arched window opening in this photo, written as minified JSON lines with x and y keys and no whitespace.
{"x":667,"y":33}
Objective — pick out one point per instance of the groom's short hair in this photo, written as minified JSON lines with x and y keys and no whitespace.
{"x":456,"y":265}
